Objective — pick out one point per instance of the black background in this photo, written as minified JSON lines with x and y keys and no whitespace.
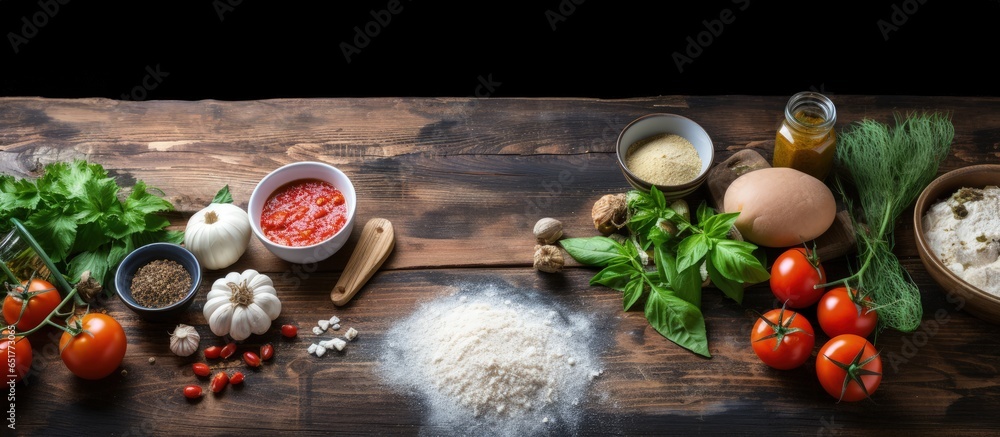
{"x":235,"y":50}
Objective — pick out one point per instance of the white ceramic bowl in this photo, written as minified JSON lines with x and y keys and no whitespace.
{"x":654,"y":124}
{"x":293,"y":172}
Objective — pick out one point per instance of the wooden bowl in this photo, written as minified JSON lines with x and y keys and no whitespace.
{"x":977,"y":302}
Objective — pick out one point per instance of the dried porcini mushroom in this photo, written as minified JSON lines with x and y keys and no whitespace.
{"x":548,"y":230}
{"x":610,"y":213}
{"x":548,"y":258}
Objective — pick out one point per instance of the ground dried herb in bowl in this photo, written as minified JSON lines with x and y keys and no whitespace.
{"x":160,"y":283}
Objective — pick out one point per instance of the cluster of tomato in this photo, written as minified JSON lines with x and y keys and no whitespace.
{"x":92,"y":346}
{"x":848,"y":365}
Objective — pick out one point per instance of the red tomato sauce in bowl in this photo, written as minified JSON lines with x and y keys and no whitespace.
{"x":303,"y":212}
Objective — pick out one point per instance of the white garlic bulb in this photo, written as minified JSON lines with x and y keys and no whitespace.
{"x":184,"y":340}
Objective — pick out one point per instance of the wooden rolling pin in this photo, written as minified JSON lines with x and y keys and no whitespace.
{"x":376,"y":242}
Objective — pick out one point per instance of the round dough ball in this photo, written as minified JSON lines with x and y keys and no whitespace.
{"x":780,"y":206}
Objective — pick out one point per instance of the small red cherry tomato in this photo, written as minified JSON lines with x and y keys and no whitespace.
{"x":219,"y":382}
{"x":236,"y":378}
{"x":213,"y":352}
{"x":193,"y":392}
{"x":289,"y":331}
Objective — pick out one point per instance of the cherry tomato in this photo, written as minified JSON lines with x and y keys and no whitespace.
{"x":213,"y":352}
{"x":228,"y":350}
{"x":20,"y":353}
{"x":237,"y":378}
{"x":843,"y":311}
{"x":266,"y":352}
{"x":201,"y":369}
{"x":251,"y":359}
{"x":782,"y":339}
{"x":97,"y":350}
{"x":219,"y":382}
{"x":36,"y":298}
{"x":289,"y":331}
{"x":849,"y":368}
{"x":193,"y":392}
{"x":793,"y":276}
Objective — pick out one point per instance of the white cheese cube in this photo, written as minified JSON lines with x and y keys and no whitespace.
{"x":312,"y":348}
{"x":339,"y":344}
{"x":351,"y":334}
{"x":334,"y":320}
{"x":323,"y":324}
{"x":320,"y":350}
{"x":317,"y":331}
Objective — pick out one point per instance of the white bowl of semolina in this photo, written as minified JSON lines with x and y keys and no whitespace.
{"x":668,"y":151}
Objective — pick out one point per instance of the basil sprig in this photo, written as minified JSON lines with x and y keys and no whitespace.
{"x":684,"y":253}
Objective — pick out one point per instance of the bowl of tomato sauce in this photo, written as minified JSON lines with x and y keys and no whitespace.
{"x":303,"y":212}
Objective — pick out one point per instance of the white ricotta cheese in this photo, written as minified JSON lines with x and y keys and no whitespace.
{"x":963,"y":231}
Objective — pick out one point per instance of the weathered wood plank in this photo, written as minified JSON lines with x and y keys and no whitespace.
{"x":463,"y":181}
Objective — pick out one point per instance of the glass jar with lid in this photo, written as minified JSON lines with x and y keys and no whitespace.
{"x":806,"y":139}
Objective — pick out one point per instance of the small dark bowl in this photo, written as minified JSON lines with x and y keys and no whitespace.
{"x":149,"y":253}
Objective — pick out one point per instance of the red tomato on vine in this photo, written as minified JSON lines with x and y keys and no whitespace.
{"x":845,"y":311}
{"x":95,"y":347}
{"x":849,"y":368}
{"x":794,"y":277}
{"x":782,"y":339}
{"x":28,"y":304}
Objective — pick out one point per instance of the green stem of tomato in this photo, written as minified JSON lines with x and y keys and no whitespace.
{"x":48,"y":319}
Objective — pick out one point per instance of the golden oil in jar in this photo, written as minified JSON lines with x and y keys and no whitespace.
{"x":806,"y":139}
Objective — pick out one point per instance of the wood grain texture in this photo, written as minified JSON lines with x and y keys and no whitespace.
{"x":463,"y":181}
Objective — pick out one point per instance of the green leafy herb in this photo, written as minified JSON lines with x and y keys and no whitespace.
{"x":889,"y":166}
{"x":672,"y":285}
{"x":223,"y":196}
{"x":75,"y":213}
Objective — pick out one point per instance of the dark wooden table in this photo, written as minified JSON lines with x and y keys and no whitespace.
{"x":463,"y":181}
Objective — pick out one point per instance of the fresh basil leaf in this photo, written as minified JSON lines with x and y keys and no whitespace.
{"x":704,"y":212}
{"x":639,"y":200}
{"x":223,"y":196}
{"x":658,"y":199}
{"x":732,"y":289}
{"x":632,"y":292}
{"x":665,"y":229}
{"x":692,"y":250}
{"x":594,"y":251}
{"x":718,"y":226}
{"x":677,"y":320}
{"x":615,"y":276}
{"x":686,"y":283}
{"x":735,"y":260}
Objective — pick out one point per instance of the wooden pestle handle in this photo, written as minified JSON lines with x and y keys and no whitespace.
{"x":377,"y":241}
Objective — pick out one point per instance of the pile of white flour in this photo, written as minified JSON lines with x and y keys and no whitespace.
{"x":494,"y":362}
